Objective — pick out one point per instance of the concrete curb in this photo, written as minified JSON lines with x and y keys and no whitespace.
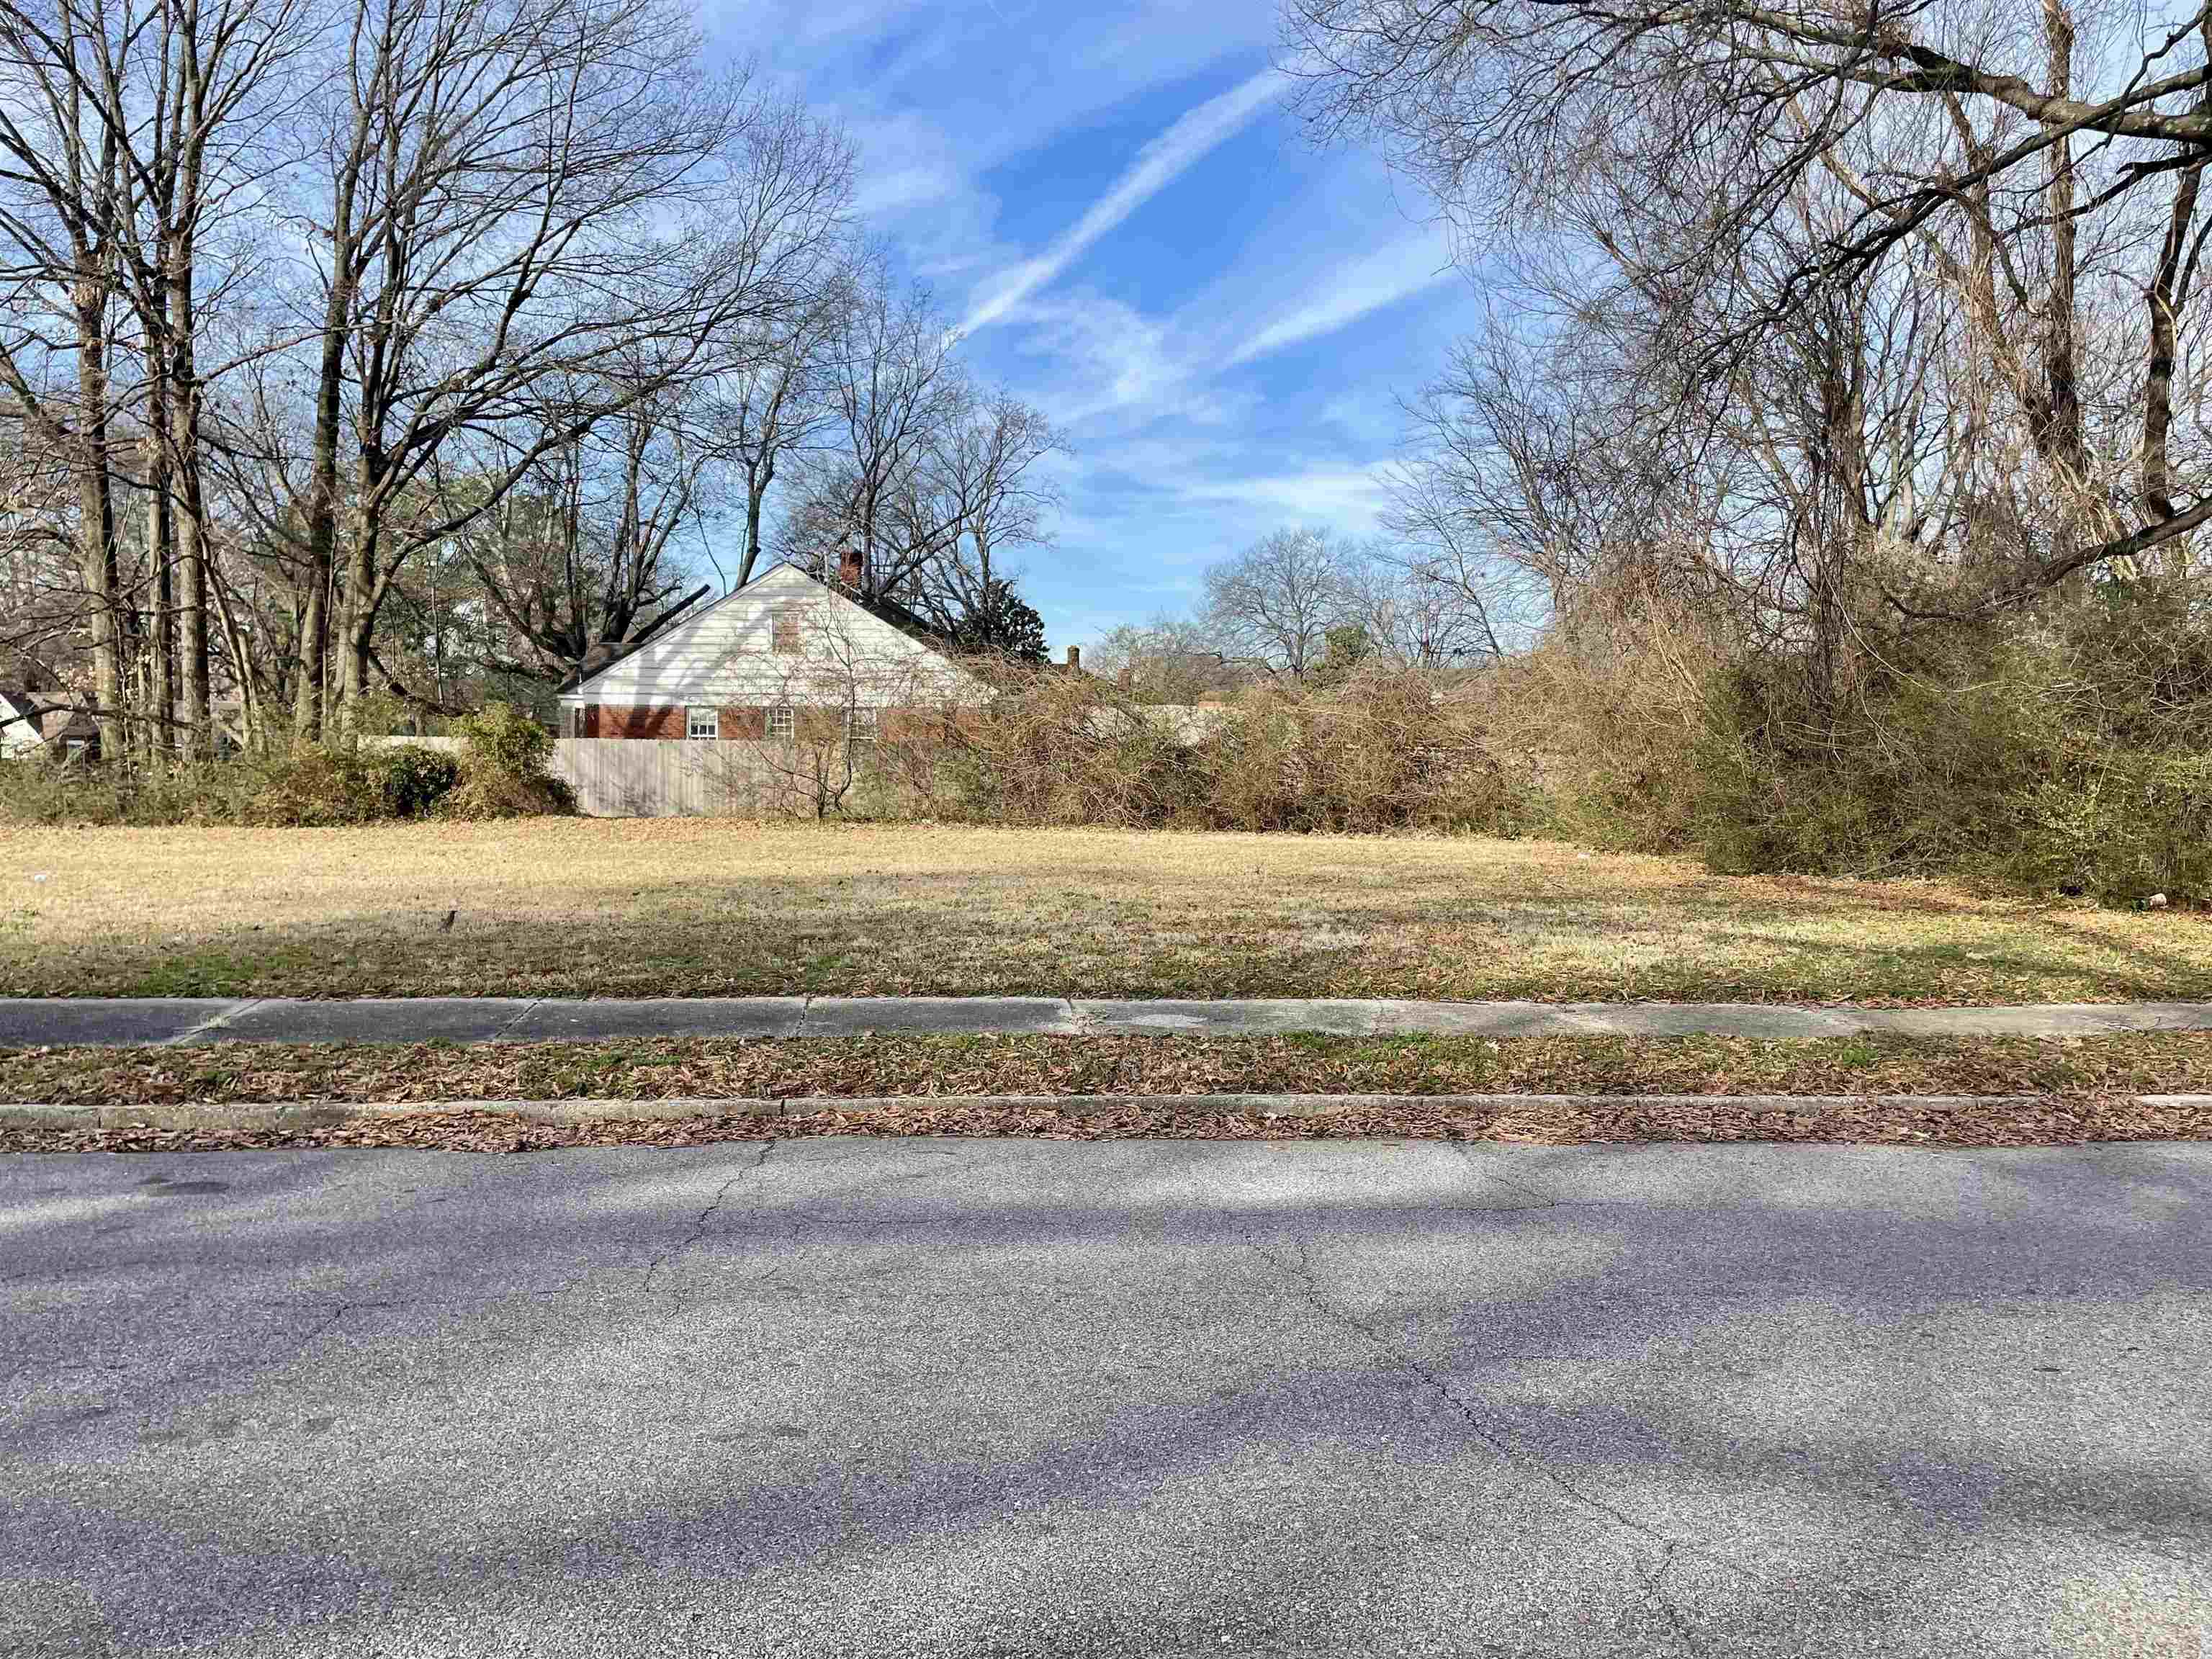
{"x":318,"y":1114}
{"x":89,"y":1022}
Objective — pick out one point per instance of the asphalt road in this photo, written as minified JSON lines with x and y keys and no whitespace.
{"x":993,"y":1398}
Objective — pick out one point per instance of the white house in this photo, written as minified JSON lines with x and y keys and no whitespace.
{"x":21,"y":732}
{"x":767,"y":661}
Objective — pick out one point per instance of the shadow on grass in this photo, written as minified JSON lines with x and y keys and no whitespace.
{"x":673,"y":937}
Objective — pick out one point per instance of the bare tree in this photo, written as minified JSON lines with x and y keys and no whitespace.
{"x":1422,"y":608}
{"x":927,"y":477}
{"x":579,"y":559}
{"x":222,"y":73}
{"x":519,"y":190}
{"x":63,"y":214}
{"x":1981,"y":222}
{"x":776,"y":404}
{"x":891,"y":385}
{"x":983,"y":476}
{"x":1169,"y":660}
{"x":1277,"y":600}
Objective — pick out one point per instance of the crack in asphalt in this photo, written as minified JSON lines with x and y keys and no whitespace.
{"x":1490,"y":1171}
{"x":1665,"y":1603}
{"x":705,"y":1220}
{"x":1495,"y":1439}
{"x":321,"y":1330}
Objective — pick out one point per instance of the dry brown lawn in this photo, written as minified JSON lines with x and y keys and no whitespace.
{"x":575,"y":907}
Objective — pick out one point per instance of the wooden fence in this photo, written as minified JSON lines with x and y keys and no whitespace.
{"x":666,"y":778}
{"x":632,"y":778}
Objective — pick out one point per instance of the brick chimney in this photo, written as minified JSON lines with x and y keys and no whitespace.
{"x":849,"y":568}
{"x":1075,"y":660}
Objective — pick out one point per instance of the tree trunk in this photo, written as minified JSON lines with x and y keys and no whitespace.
{"x":2165,"y":302}
{"x":159,"y":561}
{"x":184,"y":424}
{"x":96,"y":509}
{"x":362,"y":592}
{"x":310,"y":705}
{"x":2158,"y":389}
{"x":759,"y":475}
{"x":2061,"y":367}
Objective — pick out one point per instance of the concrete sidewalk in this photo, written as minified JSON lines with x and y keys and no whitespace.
{"x":96,"y":1021}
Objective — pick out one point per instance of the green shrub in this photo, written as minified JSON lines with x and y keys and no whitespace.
{"x":504,"y":770}
{"x":308,"y":784}
{"x":413,"y":777}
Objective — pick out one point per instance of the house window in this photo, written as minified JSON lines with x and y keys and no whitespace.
{"x":782,"y":721}
{"x":576,"y":722}
{"x":783,"y":633}
{"x":703,"y":725}
{"x":860,"y":725}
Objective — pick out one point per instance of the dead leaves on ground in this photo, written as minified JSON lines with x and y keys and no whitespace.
{"x":2051,"y":1121}
{"x":1147,"y":1064}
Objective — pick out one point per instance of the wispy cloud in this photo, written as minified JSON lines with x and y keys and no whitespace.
{"x":1352,"y":498}
{"x":1382,"y":279}
{"x":1158,"y":165}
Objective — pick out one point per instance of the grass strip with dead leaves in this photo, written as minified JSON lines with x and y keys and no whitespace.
{"x":1551,"y":1122}
{"x":930,"y":1066}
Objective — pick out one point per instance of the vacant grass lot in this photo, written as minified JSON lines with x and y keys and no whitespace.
{"x":673,"y":907}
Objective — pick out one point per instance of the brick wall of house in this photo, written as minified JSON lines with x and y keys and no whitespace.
{"x":740,"y":722}
{"x":604,"y":721}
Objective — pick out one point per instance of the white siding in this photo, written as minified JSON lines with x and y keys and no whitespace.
{"x":19,"y":736}
{"x":725,"y":656}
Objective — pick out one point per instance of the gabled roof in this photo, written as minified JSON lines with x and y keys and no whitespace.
{"x":892,"y":615}
{"x":577,"y":681}
{"x":890,"y":610}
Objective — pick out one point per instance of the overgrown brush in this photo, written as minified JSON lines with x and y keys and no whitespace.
{"x":504,"y":769}
{"x":2069,"y":751}
{"x":2061,"y":753}
{"x":1382,"y":751}
{"x":500,"y":773}
{"x":300,"y":784}
{"x":1606,"y":711}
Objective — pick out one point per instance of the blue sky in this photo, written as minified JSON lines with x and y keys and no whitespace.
{"x":1114,"y":201}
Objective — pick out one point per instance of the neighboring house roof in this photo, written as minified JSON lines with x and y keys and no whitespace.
{"x":726,"y":654}
{"x":71,"y":723}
